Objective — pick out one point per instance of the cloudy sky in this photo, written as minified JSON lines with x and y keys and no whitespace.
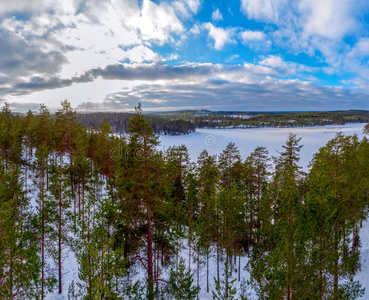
{"x":250,"y":55}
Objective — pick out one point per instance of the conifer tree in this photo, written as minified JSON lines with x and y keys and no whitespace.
{"x":279,"y":270}
{"x":142,"y":195}
{"x":231,"y":205}
{"x":19,"y":267}
{"x":336,"y":209}
{"x":206,"y":228}
{"x":180,"y":285}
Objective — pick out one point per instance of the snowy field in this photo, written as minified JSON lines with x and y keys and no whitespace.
{"x":215,"y":140}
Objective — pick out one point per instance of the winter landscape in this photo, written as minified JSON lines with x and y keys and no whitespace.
{"x":184,"y":149}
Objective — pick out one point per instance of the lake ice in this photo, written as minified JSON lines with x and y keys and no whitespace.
{"x":215,"y":140}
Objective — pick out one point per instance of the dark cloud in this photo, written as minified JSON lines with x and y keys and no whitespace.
{"x":292,"y":95}
{"x":152,"y":72}
{"x":22,"y":57}
{"x":149,"y":72}
{"x":38,"y":83}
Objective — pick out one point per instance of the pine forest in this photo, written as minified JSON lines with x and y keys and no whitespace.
{"x":142,"y":223}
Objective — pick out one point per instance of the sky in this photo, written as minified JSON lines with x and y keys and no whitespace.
{"x":245,"y":55}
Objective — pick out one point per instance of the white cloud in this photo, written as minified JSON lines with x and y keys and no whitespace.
{"x":140,"y":54}
{"x":248,"y":35}
{"x":269,"y":10}
{"x":274,"y":62}
{"x":360,"y":49}
{"x":331,"y":19}
{"x":216,"y":15}
{"x":220,"y":36}
{"x":287,"y":67}
{"x":195,"y":30}
{"x":157,"y":22}
{"x":194,"y":5}
{"x":186,"y":8}
{"x":256,"y":40}
{"x":40,"y":6}
{"x":314,"y":27}
{"x":357,"y":60}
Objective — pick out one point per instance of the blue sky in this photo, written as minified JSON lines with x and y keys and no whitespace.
{"x":248,"y":55}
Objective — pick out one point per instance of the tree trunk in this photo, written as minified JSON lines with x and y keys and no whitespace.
{"x":42,"y":235}
{"x":218,"y":261}
{"x":207,"y":270}
{"x":60,"y":230}
{"x":149,"y":256}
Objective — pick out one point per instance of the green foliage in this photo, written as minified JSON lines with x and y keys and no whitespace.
{"x":225,"y":290}
{"x":180,"y":285}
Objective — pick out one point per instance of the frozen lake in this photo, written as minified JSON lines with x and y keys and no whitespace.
{"x":215,"y":140}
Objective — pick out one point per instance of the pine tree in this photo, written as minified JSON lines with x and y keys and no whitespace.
{"x":19,"y":267}
{"x":279,"y":270}
{"x":206,"y":223}
{"x":180,"y":285}
{"x":231,"y":206}
{"x":336,"y":209}
{"x":43,"y":140}
{"x":142,"y":197}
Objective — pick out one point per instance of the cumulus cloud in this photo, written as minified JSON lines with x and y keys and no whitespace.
{"x":274,"y":62}
{"x":220,"y":36}
{"x":329,"y":18}
{"x":257,"y":40}
{"x":216,"y":15}
{"x":357,"y":61}
{"x":249,"y":35}
{"x":263,"y":10}
{"x":158,"y":21}
{"x":186,"y":8}
{"x":287,"y":67}
{"x":311,"y":26}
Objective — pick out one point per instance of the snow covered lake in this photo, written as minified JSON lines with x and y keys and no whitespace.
{"x":215,"y":140}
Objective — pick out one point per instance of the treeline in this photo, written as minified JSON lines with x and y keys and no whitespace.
{"x":123,"y":207}
{"x":165,"y":125}
{"x":185,"y":122}
{"x":209,"y":119}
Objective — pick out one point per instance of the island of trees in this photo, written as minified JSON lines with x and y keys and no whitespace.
{"x":126,"y":210}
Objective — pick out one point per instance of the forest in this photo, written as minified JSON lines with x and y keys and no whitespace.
{"x":186,"y":121}
{"x":126,"y":210}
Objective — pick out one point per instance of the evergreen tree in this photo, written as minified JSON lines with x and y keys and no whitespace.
{"x":280,"y":271}
{"x":180,"y":285}
{"x":206,"y":223}
{"x":231,"y":206}
{"x":335,"y":210}
{"x":19,"y":264}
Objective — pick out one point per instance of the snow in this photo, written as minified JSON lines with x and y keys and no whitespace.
{"x":71,"y":270}
{"x":216,"y":140}
{"x":363,"y":274}
{"x":70,"y":273}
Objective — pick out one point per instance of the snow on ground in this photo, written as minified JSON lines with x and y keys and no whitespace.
{"x":363,"y":274}
{"x":70,"y":271}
